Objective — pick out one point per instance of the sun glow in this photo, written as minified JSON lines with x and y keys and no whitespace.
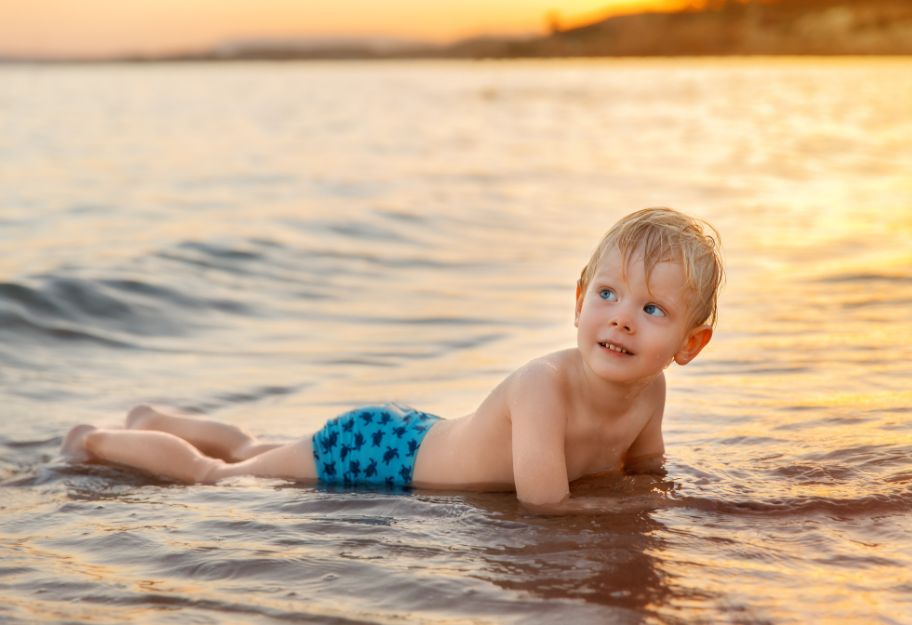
{"x":100,"y":27}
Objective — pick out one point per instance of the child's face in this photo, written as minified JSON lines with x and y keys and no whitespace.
{"x":629,"y":330}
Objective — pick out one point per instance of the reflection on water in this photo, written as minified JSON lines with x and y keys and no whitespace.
{"x":271,"y":244}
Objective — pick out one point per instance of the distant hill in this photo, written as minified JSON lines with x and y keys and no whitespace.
{"x":732,"y":27}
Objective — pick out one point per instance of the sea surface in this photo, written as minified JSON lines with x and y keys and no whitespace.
{"x":272,"y":244}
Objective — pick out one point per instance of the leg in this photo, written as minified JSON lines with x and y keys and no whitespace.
{"x":166,"y":455}
{"x":294,"y":461}
{"x":157,"y":453}
{"x":213,"y":438}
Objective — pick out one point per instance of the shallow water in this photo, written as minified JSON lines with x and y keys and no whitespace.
{"x":271,"y":244}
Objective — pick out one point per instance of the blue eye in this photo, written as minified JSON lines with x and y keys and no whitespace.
{"x":608,"y":295}
{"x":653,"y":310}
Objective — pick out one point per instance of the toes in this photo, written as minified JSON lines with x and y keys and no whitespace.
{"x":74,"y":445}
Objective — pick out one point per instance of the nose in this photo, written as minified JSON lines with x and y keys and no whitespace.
{"x":622,"y":322}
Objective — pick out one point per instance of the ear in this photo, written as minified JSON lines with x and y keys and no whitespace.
{"x":579,"y":304}
{"x":693,"y":344}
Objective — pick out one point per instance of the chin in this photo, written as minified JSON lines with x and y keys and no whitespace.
{"x":621,"y":372}
{"x":616,"y":374}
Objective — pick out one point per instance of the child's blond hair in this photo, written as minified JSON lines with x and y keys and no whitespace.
{"x":665,"y":235}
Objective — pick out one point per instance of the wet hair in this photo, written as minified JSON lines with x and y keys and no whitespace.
{"x":665,"y":235}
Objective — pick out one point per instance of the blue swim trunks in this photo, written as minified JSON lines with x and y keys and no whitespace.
{"x":371,"y":445}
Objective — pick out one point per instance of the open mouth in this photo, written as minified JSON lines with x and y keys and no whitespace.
{"x":614,"y":347}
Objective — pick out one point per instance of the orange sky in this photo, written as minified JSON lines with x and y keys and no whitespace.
{"x":99,"y":27}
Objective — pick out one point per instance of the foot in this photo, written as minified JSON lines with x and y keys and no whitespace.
{"x":139,"y":416}
{"x":74,"y":447}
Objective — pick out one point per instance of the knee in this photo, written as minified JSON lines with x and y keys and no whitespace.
{"x":248,"y":449}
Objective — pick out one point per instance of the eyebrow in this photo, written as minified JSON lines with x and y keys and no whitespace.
{"x":603,"y":276}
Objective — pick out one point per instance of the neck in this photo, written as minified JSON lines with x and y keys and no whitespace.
{"x":604,"y":396}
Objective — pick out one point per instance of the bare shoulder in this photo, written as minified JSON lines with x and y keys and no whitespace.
{"x":541,"y":379}
{"x":543,"y":368}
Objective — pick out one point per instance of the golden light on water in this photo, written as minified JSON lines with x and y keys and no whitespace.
{"x":277,"y":255}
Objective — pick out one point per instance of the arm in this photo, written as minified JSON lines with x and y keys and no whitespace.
{"x":647,"y":453}
{"x":538,"y":429}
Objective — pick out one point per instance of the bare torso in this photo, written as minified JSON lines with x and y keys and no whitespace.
{"x":476,"y":451}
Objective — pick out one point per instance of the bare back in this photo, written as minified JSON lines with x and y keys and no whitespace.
{"x":476,"y":451}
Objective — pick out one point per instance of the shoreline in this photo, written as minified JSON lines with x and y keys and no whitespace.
{"x":796,"y":58}
{"x":817,"y":28}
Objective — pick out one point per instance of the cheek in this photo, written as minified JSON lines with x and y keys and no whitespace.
{"x":585,"y":318}
{"x":658,"y":349}
{"x":579,"y":309}
{"x":584,"y":325}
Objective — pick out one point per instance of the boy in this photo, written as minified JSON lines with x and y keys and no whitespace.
{"x":646,"y":298}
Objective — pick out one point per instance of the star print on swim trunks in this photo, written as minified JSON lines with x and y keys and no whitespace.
{"x":371,"y":445}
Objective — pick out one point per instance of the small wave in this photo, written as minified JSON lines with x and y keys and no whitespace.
{"x":375,"y":360}
{"x":363,"y":231}
{"x":360,"y":231}
{"x":121,"y":542}
{"x":900,"y":478}
{"x":18,"y":325}
{"x":196,"y":608}
{"x":345,"y":260}
{"x":863,"y":454}
{"x":29,"y":444}
{"x":886,"y":503}
{"x":877,"y":302}
{"x":244,"y":397}
{"x":749,"y":440}
{"x":254,"y":260}
{"x":18,"y":571}
{"x":269,"y":568}
{"x":106,"y":311}
{"x":425,"y":321}
{"x":866,"y":277}
{"x":233,"y":256}
{"x":402,"y":216}
{"x":219,"y":263}
{"x":298,"y":272}
{"x":815,"y":473}
{"x":165,"y":297}
{"x":222,"y":251}
{"x":783,"y":370}
{"x":86,"y":298}
{"x":259,"y":393}
{"x":29,"y":299}
{"x":151,"y":291}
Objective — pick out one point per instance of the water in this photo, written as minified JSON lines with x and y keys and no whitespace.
{"x":271,"y":244}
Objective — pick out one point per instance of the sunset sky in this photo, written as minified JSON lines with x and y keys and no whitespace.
{"x":101,"y":27}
